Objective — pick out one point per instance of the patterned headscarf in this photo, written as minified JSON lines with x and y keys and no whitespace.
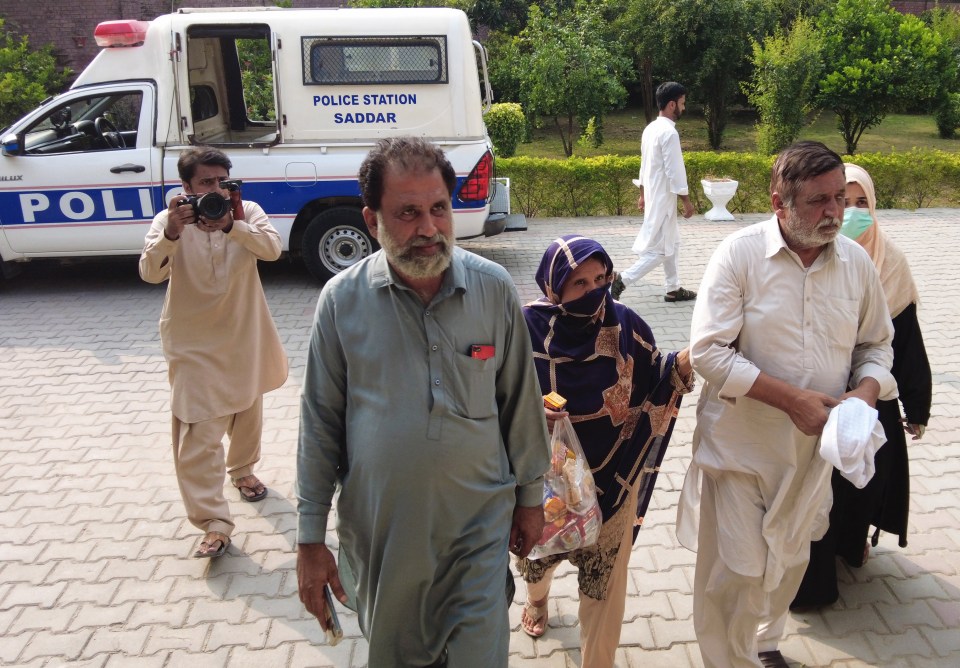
{"x":562,"y":258}
{"x":577,"y":322}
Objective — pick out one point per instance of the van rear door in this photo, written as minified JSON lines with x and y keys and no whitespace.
{"x":229,"y":69}
{"x":82,"y":181}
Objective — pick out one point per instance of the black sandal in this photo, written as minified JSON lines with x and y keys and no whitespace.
{"x":680,"y":295}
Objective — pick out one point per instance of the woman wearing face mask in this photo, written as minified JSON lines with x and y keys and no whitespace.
{"x":623,"y":395}
{"x":884,"y":502}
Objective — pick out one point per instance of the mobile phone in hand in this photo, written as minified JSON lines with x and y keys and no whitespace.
{"x":333,"y":631}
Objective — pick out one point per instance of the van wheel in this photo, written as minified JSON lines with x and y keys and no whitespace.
{"x":335,"y":239}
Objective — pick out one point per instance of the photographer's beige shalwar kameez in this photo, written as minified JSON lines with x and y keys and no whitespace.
{"x":222,"y":349}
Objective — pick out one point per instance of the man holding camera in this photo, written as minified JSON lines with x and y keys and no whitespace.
{"x":222,"y":347}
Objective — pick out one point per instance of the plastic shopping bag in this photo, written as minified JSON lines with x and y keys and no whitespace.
{"x":570,"y":507}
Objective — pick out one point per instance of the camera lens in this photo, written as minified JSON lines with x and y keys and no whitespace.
{"x":212,"y":206}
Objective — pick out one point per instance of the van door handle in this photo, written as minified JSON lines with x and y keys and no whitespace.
{"x":129,"y":167}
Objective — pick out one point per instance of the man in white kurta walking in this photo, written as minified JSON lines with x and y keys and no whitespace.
{"x":791,"y":320}
{"x":222,"y":347}
{"x":663,"y":179}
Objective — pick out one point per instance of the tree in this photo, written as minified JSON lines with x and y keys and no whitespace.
{"x":718,"y":37}
{"x":27,"y":76}
{"x":703,"y":44}
{"x":786,"y":69}
{"x":510,"y":16}
{"x":256,"y":74}
{"x":878,"y":60}
{"x":785,"y":12}
{"x":458,"y":4}
{"x":638,"y":24}
{"x":946,"y":23}
{"x":507,"y":15}
{"x":568,"y":72}
{"x":504,"y":66}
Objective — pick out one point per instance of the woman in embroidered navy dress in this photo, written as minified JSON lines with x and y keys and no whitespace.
{"x":623,"y":395}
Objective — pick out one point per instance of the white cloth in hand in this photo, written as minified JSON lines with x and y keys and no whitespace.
{"x":851,"y":438}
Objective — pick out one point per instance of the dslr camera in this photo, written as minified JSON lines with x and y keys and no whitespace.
{"x":213,"y":205}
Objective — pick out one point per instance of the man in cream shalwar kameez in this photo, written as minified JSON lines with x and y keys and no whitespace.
{"x":789,"y":317}
{"x":222,"y":347}
{"x":663,"y":178}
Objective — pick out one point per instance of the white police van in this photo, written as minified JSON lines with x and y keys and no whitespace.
{"x":85,"y":173}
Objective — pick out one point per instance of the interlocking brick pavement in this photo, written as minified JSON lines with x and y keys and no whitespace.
{"x":95,"y":566}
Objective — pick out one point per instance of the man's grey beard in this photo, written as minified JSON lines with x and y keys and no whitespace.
{"x":803,"y":237}
{"x":413,"y":265}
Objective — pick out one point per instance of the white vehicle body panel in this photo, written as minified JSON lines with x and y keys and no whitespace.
{"x":66,"y":191}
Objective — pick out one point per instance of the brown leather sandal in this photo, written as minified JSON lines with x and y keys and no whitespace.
{"x":254,"y":491}
{"x":211,"y":539}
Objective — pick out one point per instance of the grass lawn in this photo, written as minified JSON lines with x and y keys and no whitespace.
{"x":622,"y":130}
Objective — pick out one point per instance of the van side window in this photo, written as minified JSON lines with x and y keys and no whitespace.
{"x":372,"y":60}
{"x":97,"y":123}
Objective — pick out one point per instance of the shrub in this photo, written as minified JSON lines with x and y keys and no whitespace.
{"x":786,"y":70}
{"x":914,"y":179}
{"x":507,"y":127}
{"x":947,"y":116}
{"x":592,"y":135}
{"x":574,"y":187}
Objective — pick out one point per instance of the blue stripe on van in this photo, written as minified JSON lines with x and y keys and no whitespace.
{"x":91,"y":204}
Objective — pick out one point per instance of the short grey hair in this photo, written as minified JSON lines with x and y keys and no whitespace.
{"x":797,"y":164}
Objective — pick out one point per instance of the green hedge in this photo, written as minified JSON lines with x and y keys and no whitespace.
{"x":602,"y":186}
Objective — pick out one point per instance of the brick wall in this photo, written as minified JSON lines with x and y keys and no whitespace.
{"x":918,"y":7}
{"x":69,"y":24}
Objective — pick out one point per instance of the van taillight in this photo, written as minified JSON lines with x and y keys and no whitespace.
{"x":121,"y":33}
{"x":476,"y":187}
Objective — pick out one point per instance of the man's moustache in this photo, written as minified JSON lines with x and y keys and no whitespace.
{"x":435,"y":239}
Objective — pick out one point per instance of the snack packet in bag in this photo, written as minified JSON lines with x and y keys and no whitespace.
{"x":570,"y":507}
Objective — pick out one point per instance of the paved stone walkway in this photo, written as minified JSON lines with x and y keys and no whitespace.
{"x":94,"y":550}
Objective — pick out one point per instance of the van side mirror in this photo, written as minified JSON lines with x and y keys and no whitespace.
{"x":11,"y":144}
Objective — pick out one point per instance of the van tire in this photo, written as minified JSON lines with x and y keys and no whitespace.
{"x":336,"y":238}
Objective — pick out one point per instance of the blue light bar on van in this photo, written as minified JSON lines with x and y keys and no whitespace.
{"x":121,"y":33}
